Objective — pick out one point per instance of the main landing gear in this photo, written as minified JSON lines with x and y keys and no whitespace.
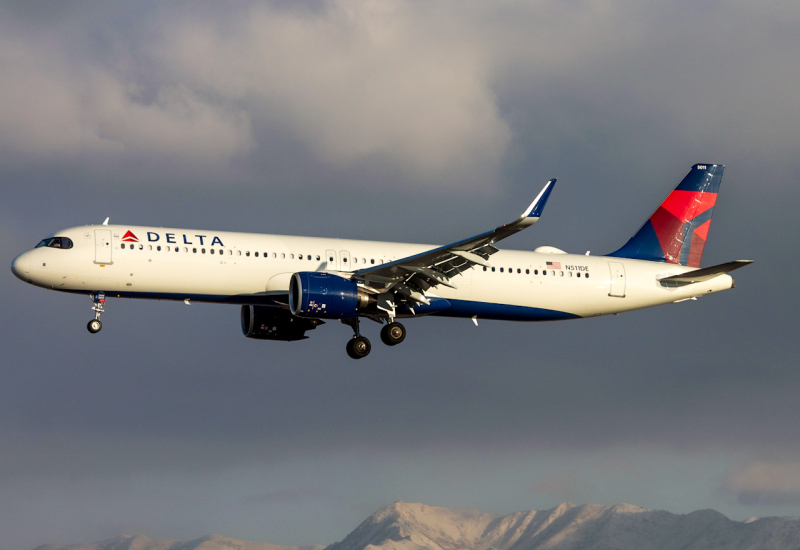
{"x":98,"y":301}
{"x":359,"y":346}
{"x":393,"y":333}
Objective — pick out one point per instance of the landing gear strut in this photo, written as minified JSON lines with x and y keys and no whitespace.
{"x":98,"y":301}
{"x":393,"y":333}
{"x":358,"y":347}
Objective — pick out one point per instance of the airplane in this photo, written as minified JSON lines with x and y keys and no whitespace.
{"x":288,"y":285}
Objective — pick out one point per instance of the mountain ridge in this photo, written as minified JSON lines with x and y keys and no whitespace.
{"x":568,"y":526}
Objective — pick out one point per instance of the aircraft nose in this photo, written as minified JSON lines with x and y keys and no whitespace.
{"x":21,"y":266}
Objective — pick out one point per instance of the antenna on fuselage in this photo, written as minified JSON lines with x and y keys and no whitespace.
{"x":106,"y":222}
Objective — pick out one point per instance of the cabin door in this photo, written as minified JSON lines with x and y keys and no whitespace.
{"x":102,"y":246}
{"x":617,"y":279}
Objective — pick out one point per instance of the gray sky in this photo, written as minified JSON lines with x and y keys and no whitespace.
{"x":410,"y":121}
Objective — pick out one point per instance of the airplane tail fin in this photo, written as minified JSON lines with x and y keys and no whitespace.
{"x":676,"y":232}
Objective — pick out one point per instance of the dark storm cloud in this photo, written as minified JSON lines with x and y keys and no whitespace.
{"x":409,"y":122}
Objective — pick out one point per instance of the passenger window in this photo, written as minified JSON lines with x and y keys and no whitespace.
{"x":121,"y":246}
{"x":501,"y":270}
{"x":519,"y":270}
{"x":317,"y":257}
{"x":291,"y":256}
{"x":579,"y":274}
{"x":203,"y":250}
{"x":586,"y":275}
{"x":158,"y":248}
{"x":372,"y":262}
{"x":247,"y":253}
{"x":167,"y":248}
{"x":212,"y":250}
{"x":194,"y":251}
{"x":266,"y":254}
{"x":330,"y":259}
{"x":256,"y":254}
{"x":570,"y":273}
{"x":562,"y":273}
{"x":493,"y":270}
{"x":527,"y":272}
{"x":238,"y":252}
{"x":344,"y":260}
{"x":535,"y":271}
{"x":544,"y":272}
{"x":149,"y":247}
{"x":484,"y":268}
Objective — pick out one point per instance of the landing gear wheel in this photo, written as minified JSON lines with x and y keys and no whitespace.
{"x":393,"y":333}
{"x":359,"y":347}
{"x":94,"y":326}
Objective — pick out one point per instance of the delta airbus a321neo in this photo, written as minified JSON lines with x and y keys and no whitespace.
{"x":287,"y":285}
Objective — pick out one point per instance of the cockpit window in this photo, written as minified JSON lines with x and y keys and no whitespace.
{"x":56,"y":242}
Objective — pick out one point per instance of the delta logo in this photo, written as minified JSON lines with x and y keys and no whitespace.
{"x":130,"y":237}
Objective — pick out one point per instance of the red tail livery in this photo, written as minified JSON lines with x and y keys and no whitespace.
{"x":677,"y":231}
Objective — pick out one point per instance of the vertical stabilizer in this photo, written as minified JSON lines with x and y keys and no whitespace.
{"x":677,"y":231}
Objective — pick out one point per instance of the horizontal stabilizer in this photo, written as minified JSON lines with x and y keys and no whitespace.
{"x":700,"y":275}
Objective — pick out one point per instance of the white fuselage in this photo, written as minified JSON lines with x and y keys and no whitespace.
{"x":246,"y":268}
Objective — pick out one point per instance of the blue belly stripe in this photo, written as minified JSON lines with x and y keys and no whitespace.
{"x":503,"y":312}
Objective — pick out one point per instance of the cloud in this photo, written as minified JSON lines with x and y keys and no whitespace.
{"x":355,"y":81}
{"x":764,"y":483}
{"x":54,"y":109}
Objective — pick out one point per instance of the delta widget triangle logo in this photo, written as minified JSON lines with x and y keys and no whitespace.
{"x":130,"y":237}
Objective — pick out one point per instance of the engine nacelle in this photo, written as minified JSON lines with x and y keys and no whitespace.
{"x":324,"y":295}
{"x":272,"y":323}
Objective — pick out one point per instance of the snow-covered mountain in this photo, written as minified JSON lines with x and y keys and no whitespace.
{"x":141,"y":542}
{"x":405,"y":526}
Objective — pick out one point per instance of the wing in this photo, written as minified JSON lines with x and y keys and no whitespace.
{"x":410,"y":277}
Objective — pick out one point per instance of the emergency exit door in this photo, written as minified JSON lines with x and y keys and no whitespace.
{"x":102,"y":246}
{"x":330,"y":260}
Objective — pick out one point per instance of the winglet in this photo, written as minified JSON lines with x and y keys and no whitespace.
{"x":537,"y":206}
{"x":106,"y":221}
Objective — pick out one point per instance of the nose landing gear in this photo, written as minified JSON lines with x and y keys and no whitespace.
{"x":359,"y":346}
{"x":98,"y":301}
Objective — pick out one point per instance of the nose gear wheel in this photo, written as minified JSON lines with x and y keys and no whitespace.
{"x":98,"y":306}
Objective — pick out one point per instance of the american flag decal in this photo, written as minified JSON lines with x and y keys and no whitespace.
{"x":554,"y":265}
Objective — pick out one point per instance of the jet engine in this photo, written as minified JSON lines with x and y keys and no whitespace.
{"x":324,"y":295}
{"x":273,"y":323}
